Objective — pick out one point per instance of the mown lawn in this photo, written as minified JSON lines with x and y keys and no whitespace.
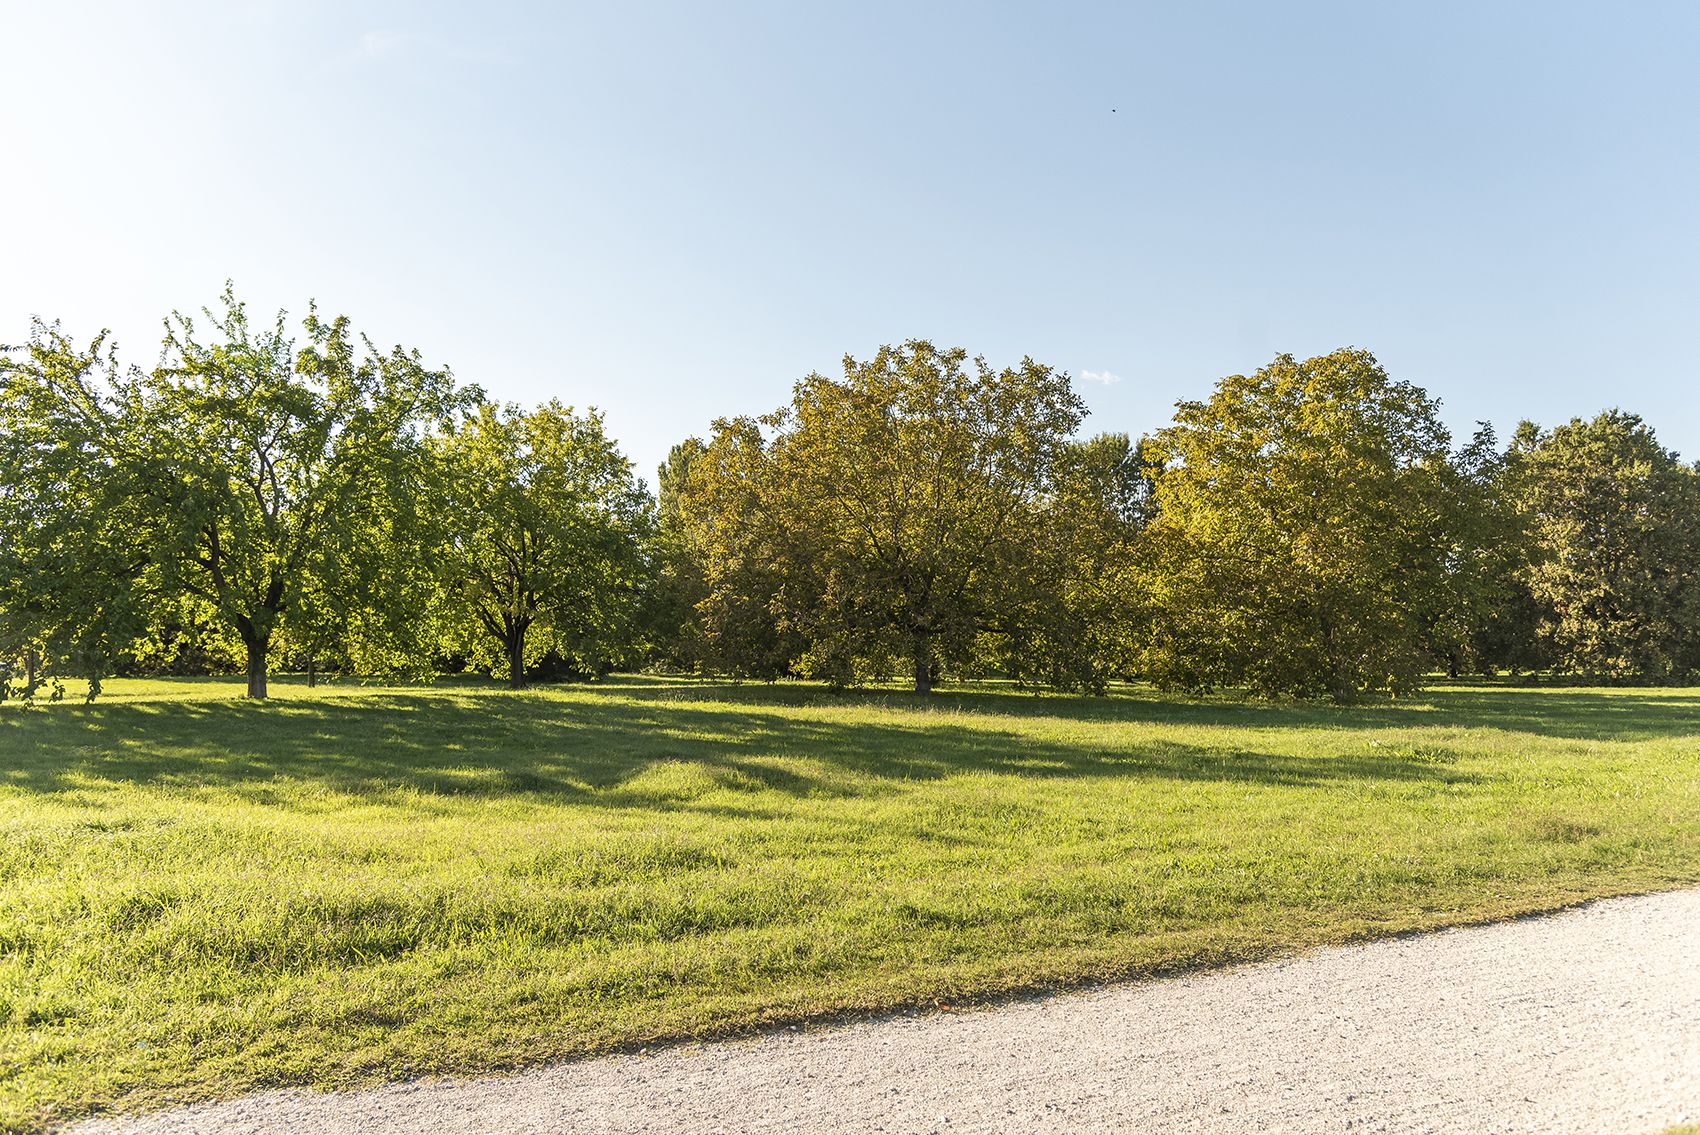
{"x":200,"y":896}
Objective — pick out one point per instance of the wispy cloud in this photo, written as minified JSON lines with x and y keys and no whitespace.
{"x":1103,"y":377}
{"x":378,"y":44}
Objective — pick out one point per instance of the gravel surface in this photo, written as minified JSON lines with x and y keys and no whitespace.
{"x":1584,"y":1021}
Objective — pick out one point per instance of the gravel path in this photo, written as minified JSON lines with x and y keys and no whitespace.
{"x":1585,"y":1021}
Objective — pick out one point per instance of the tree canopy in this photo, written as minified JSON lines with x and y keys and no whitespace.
{"x":1303,"y":528}
{"x":274,"y":494}
{"x":72,"y":550}
{"x":264,"y":462}
{"x":896,"y":512}
{"x":244,"y":483}
{"x":1613,"y":521}
{"x":547,"y":540}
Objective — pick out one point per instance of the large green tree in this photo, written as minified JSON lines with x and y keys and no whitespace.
{"x":240,"y":479}
{"x":548,"y":539}
{"x":269,"y":460}
{"x":1615,"y":521}
{"x":906,"y":506}
{"x":1303,"y":529}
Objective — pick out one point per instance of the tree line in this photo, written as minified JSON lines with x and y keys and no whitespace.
{"x":269,"y":496}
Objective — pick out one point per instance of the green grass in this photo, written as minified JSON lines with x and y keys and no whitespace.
{"x":200,"y":896}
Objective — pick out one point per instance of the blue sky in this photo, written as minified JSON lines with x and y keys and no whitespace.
{"x":672,"y":212}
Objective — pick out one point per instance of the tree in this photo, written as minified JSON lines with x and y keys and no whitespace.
{"x":1507,"y":630}
{"x":1615,"y":519}
{"x":262,"y":464}
{"x":1467,"y":600}
{"x":1477,"y":614}
{"x":1301,"y":532}
{"x":548,"y":537}
{"x":1071,"y":622}
{"x":909,"y":495}
{"x":724,"y":557}
{"x":367,"y":599}
{"x":71,"y":553}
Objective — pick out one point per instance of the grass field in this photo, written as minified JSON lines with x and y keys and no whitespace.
{"x":200,"y":895}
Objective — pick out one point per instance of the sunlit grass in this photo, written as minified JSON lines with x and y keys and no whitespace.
{"x":202,"y":895}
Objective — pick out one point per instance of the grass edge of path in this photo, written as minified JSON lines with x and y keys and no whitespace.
{"x":147,"y":1103}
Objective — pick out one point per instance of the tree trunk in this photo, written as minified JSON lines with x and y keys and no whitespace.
{"x":1340,"y":687}
{"x":516,"y":658}
{"x":258,"y":643}
{"x":31,"y":661}
{"x":923,"y":643}
{"x":256,"y":631}
{"x":256,"y":665}
{"x":312,"y":671}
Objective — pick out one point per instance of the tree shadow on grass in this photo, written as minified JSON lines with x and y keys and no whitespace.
{"x":1591,"y":714}
{"x":616,"y":749}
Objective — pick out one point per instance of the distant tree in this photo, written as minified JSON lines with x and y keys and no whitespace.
{"x":548,"y":539}
{"x":1300,"y":532}
{"x":1476,"y":546}
{"x":1485,"y":618}
{"x":724,"y":571}
{"x":1115,"y":474}
{"x":1615,"y":519}
{"x":670,"y":615}
{"x":1508,"y":636}
{"x":910,"y":497}
{"x":72,"y":556}
{"x":1071,"y":619}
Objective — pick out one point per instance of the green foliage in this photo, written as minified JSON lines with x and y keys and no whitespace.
{"x":726,"y":555}
{"x":1305,"y":527}
{"x":671,"y":615}
{"x":245,"y":489}
{"x":206,"y":896}
{"x":548,"y":541}
{"x":1474,"y":546}
{"x":1072,"y":623}
{"x":920,"y":481}
{"x":286,"y":478}
{"x":71,"y":556}
{"x":1496,"y":618}
{"x":1615,"y":521}
{"x":893,"y":520}
{"x":1305,"y":531}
